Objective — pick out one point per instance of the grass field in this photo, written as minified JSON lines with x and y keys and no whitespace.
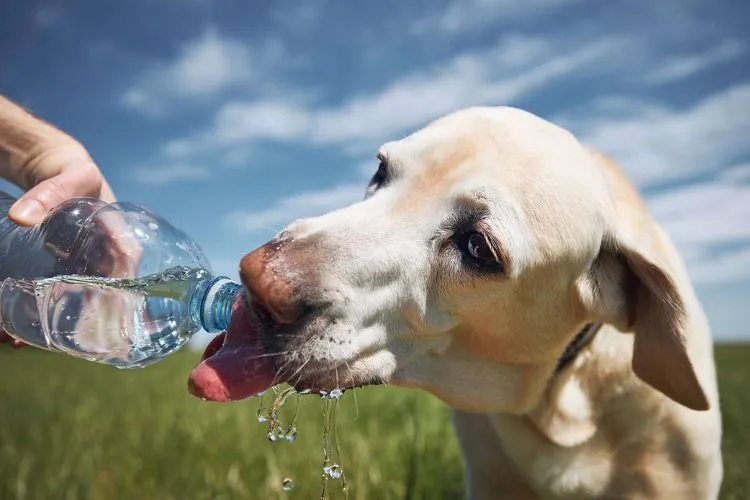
{"x":74,"y":430}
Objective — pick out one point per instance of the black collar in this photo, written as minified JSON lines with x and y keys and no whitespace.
{"x":584,"y":338}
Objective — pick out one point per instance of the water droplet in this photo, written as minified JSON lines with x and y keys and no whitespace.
{"x":336,"y":393}
{"x":263,"y":413}
{"x":272,"y":435}
{"x":333,"y":471}
{"x":305,"y":391}
{"x":291,"y":434}
{"x":287,"y":484}
{"x":323,"y":394}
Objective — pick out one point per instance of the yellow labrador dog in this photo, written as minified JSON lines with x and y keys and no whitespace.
{"x":516,"y":275}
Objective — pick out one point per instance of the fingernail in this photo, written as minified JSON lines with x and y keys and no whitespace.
{"x":29,"y":210}
{"x":17,"y":344}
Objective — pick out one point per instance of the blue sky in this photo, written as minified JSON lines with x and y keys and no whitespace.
{"x":232,"y":118}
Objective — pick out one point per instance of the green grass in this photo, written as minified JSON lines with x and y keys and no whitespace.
{"x":72,"y":429}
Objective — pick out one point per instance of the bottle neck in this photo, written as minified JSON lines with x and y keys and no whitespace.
{"x":218,"y":300}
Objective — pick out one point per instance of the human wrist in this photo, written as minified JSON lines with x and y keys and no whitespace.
{"x":26,"y":142}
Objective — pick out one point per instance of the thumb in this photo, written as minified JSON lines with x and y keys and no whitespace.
{"x":31,"y":208}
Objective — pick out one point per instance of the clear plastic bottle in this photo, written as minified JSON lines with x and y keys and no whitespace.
{"x":111,"y":283}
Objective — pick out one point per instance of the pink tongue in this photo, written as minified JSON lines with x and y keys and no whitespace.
{"x":233,"y":366}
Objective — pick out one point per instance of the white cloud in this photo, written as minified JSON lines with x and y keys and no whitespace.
{"x":301,"y":205}
{"x":463,"y":15}
{"x":208,"y":65}
{"x":682,"y":67}
{"x":514,"y":67}
{"x":657,"y":144}
{"x":705,"y":219}
{"x":709,"y":214}
{"x":297,"y":17}
{"x":203,"y":68}
{"x":724,"y":268}
{"x":737,"y":173}
{"x":467,"y":80}
{"x":708,"y":221}
{"x":241,"y":121}
{"x":157,"y":176}
{"x":48,"y":17}
{"x":178,"y":148}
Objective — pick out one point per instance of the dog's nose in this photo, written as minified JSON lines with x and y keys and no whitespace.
{"x":268,"y":289}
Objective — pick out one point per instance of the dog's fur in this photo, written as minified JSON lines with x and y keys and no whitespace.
{"x":392,"y":296}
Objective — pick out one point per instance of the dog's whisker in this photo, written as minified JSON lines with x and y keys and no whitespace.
{"x":354,"y":389}
{"x":269,"y":355}
{"x":300,"y":370}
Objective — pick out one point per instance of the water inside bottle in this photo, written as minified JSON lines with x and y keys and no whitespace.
{"x":127,"y":323}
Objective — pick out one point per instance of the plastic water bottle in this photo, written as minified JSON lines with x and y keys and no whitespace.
{"x":111,"y":283}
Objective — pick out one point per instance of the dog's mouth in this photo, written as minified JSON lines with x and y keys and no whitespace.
{"x":234,"y":365}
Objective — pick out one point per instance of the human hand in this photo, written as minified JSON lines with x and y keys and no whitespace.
{"x":54,"y":175}
{"x":52,"y":167}
{"x":51,"y":177}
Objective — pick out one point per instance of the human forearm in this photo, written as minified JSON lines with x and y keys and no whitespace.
{"x":48,"y":164}
{"x":26,"y":141}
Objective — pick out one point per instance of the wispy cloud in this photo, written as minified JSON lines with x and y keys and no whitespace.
{"x":499,"y":75}
{"x":709,"y":224}
{"x":203,"y":68}
{"x":736,"y":173}
{"x":463,"y":15}
{"x":656,"y":143}
{"x":48,"y":17}
{"x":160,"y":175}
{"x":727,"y":267}
{"x":300,"y":205}
{"x":680,"y":67}
{"x":507,"y":71}
{"x":297,"y":17}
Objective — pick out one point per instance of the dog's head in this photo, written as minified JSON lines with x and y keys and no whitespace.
{"x":485,"y":241}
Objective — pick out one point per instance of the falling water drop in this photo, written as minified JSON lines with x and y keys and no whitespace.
{"x":336,"y":393}
{"x":262,"y":411}
{"x":291,"y":434}
{"x":331,"y":454}
{"x":333,"y":471}
{"x":272,"y":435}
{"x":287,"y":484}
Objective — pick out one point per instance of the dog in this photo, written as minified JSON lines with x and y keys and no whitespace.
{"x":514,"y":273}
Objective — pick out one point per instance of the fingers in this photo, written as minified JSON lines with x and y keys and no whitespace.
{"x":15,"y":343}
{"x":106,"y":194}
{"x":33,"y":206}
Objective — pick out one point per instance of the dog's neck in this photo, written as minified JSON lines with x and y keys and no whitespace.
{"x":563,"y":425}
{"x":579,"y":342}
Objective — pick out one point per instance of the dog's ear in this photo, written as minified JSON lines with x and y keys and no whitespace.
{"x":630,"y":289}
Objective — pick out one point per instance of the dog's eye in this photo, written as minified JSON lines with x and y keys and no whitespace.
{"x":381,"y":174}
{"x":478,"y":252}
{"x":379,"y":179}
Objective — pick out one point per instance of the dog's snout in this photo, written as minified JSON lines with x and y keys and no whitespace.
{"x":266,"y":287}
